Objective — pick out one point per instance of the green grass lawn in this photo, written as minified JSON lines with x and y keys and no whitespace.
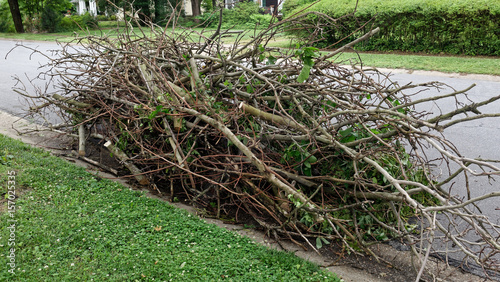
{"x":450,"y":64}
{"x":71,"y":225}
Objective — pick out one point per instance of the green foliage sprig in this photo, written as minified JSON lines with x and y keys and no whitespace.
{"x":306,"y":55}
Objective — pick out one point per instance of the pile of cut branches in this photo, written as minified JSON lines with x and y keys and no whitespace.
{"x":304,"y":146}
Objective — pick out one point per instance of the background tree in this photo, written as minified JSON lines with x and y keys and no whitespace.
{"x":152,"y":11}
{"x":196,"y":7}
{"x":51,"y":16}
{"x":109,"y":7}
{"x":16,"y":15}
{"x":41,"y":15}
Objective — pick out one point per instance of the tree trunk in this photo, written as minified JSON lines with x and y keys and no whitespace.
{"x":196,"y":7}
{"x":16,"y":15}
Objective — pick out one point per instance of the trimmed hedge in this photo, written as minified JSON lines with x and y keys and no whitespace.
{"x":469,"y":27}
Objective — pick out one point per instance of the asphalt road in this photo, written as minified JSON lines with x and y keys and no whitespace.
{"x":23,"y":63}
{"x":474,"y":139}
{"x":480,"y":138}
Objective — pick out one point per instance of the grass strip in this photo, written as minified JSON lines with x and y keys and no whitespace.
{"x":71,"y":224}
{"x":448,"y":64}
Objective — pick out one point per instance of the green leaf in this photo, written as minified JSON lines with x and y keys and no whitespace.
{"x":312,"y":159}
{"x":154,"y":113}
{"x":271,"y":60}
{"x":228,"y":84}
{"x":307,"y":171}
{"x":308,"y":61}
{"x":346,"y":132}
{"x":325,"y":241}
{"x":348,"y":139}
{"x":320,"y":241}
{"x":310,"y":51}
{"x":304,"y":74}
{"x":319,"y":244}
{"x":331,"y":104}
